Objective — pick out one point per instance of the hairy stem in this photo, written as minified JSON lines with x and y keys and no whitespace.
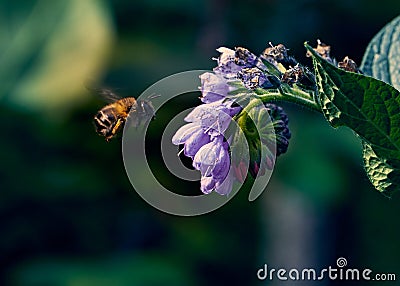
{"x":295,"y":96}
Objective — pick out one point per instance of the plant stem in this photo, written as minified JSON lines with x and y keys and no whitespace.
{"x":295,"y":96}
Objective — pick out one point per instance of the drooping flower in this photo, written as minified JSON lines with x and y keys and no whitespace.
{"x":224,"y":187}
{"x":214,"y":87}
{"x":193,"y":136}
{"x":204,"y":141}
{"x":212,"y":159}
{"x":204,"y":136}
{"x":213,"y":116}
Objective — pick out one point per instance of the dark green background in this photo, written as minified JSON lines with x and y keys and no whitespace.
{"x":68,"y":214}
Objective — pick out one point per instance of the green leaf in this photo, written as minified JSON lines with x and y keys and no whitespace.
{"x":369,"y":107}
{"x":381,"y":172}
{"x":382,"y":57}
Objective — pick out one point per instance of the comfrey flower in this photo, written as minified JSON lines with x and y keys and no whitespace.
{"x":204,"y":142}
{"x":213,"y":161}
{"x":204,"y":137}
{"x":214,"y":87}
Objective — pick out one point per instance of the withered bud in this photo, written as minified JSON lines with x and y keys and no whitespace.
{"x":348,"y":65}
{"x":278,"y":52}
{"x":243,"y":57}
{"x":293,"y":74}
{"x":323,"y":50}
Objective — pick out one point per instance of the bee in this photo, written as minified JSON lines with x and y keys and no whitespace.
{"x":111,"y":119}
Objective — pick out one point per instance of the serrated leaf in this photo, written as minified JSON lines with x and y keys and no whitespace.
{"x":382,"y":56}
{"x":382,"y":174}
{"x":368,"y":106}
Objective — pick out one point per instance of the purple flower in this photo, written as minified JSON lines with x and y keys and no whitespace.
{"x":207,"y":184}
{"x":193,"y":136}
{"x":213,"y":158}
{"x":213,"y":116}
{"x":203,"y":136}
{"x":204,"y":142}
{"x":224,"y":187}
{"x":213,"y":161}
{"x":214,"y":87}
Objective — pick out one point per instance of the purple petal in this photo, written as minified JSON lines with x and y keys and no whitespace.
{"x":204,"y":160}
{"x":212,"y":156}
{"x":225,"y":187}
{"x":213,"y":87}
{"x":231,"y":110}
{"x":195,"y":142}
{"x":221,"y":168}
{"x":207,"y":184}
{"x":184,"y":133}
{"x":211,"y":116}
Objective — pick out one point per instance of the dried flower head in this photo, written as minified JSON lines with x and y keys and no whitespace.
{"x":253,"y":78}
{"x":293,"y":74}
{"x":323,"y":50}
{"x":348,"y":65}
{"x":243,"y":57}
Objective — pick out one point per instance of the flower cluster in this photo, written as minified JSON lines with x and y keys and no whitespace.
{"x":204,"y":142}
{"x":204,"y":137}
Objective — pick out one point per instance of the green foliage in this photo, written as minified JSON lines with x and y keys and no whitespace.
{"x":382,"y":61}
{"x":382,"y":174}
{"x":371,"y":108}
{"x":382,"y":57}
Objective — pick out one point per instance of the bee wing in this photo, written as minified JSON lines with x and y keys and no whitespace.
{"x":108,"y":95}
{"x":105,"y":93}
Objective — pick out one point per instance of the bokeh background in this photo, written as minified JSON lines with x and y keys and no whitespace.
{"x":68,"y":214}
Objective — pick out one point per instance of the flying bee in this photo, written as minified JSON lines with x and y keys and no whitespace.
{"x":111,"y":119}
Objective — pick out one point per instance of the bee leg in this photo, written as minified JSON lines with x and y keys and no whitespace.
{"x":115,"y":129}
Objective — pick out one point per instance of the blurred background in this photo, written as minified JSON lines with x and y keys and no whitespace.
{"x":68,"y":214}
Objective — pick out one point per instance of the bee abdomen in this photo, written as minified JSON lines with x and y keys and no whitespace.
{"x":104,"y":121}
